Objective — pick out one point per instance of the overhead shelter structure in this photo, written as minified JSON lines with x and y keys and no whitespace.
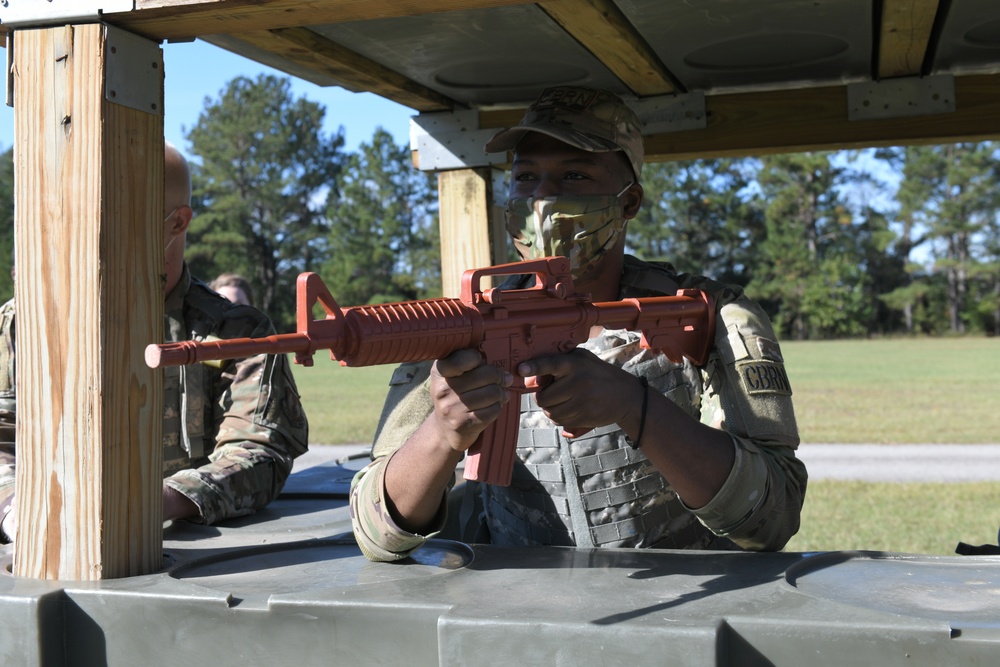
{"x":94,"y":579}
{"x":85,"y":77}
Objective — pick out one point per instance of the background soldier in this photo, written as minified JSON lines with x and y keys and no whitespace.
{"x":230,"y":431}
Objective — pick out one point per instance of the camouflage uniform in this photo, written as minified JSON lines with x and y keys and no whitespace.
{"x":8,"y":406}
{"x":596,"y":490}
{"x":230,"y":429}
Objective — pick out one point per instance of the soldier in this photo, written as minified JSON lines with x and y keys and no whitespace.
{"x":669,"y":455}
{"x":234,"y":287}
{"x":230,"y":432}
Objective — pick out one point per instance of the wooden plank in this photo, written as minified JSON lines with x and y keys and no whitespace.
{"x":904,"y":36}
{"x":500,"y":118}
{"x":605,"y":31}
{"x":185,"y":19}
{"x":816,"y":119}
{"x":786,"y":121}
{"x":472,"y":234}
{"x":355,"y":72}
{"x":89,"y":211}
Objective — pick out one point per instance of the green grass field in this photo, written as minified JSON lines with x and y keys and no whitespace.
{"x":343,"y":404}
{"x":908,"y":518}
{"x":893,"y":391}
{"x":941,"y":390}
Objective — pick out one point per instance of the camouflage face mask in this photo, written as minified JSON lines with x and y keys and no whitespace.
{"x":582,"y":228}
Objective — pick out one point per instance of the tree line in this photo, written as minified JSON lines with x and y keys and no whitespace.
{"x":902,"y":240}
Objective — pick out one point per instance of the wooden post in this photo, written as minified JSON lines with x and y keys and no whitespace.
{"x":472,"y":225}
{"x":89,"y":256}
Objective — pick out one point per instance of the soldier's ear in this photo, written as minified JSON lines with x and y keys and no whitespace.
{"x":632,"y":201}
{"x":181,"y":219}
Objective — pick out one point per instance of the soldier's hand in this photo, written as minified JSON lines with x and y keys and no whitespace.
{"x":579,"y":391}
{"x":468,"y":395}
{"x":176,"y":505}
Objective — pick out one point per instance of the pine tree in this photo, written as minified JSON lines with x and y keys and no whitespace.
{"x":698,"y":216}
{"x":266,"y":171}
{"x":950,"y":191}
{"x":383,"y":238}
{"x":810,"y":261}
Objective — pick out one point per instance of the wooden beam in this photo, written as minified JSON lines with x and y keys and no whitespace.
{"x":89,"y":255}
{"x":500,"y":118}
{"x":472,"y":230}
{"x":186,"y":19}
{"x":904,"y":36}
{"x":605,"y":31}
{"x":816,"y":119}
{"x":787,"y":121}
{"x":353,"y":70}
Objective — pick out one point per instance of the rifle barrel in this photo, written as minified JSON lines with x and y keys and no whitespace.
{"x":192,"y":351}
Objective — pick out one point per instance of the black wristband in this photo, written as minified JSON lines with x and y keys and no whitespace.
{"x":634,"y":444}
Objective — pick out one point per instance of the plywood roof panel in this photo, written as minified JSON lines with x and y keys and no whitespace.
{"x":458,"y":53}
{"x":738,"y":45}
{"x":969,"y":40}
{"x":495,"y":55}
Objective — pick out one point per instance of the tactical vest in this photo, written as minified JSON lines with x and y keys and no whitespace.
{"x":184,"y":417}
{"x":186,"y":410}
{"x":596,"y":490}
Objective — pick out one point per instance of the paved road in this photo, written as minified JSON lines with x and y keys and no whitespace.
{"x":903,"y":463}
{"x":889,"y":463}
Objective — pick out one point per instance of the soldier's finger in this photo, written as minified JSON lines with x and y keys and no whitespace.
{"x":458,"y":363}
{"x":485,"y":397}
{"x":555,"y":365}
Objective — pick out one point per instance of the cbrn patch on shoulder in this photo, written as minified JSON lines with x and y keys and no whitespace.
{"x":764,"y":376}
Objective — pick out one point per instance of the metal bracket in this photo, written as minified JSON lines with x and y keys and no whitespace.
{"x":451,"y":140}
{"x":21,"y":13}
{"x":133,"y":71}
{"x":895,"y":98}
{"x":675,"y":113}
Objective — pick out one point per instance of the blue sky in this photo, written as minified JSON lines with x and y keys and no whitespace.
{"x":196,"y":70}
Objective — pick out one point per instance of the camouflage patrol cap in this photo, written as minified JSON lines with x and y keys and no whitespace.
{"x":593,"y":120}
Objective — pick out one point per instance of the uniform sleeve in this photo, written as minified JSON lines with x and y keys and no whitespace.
{"x":8,"y":407}
{"x":750,"y":397}
{"x":7,"y":452}
{"x":407,"y":405}
{"x":260,"y":428}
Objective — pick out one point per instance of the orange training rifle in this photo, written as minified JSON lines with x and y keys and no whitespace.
{"x":506,"y":326}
